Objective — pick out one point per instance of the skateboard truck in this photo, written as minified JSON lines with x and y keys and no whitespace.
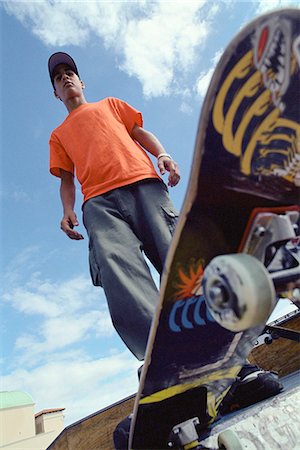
{"x":267,"y":241}
{"x":240,"y":289}
{"x":184,"y":435}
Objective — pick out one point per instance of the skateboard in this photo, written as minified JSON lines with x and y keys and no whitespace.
{"x":234,"y":248}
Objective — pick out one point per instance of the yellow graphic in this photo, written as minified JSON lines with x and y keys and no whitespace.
{"x":189,"y":283}
{"x":213,"y":403}
{"x":253,"y":127}
{"x":215,"y":381}
{"x":240,"y":70}
{"x":193,"y":444}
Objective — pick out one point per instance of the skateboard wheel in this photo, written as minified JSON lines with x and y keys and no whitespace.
{"x":238,"y":291}
{"x":228,"y":440}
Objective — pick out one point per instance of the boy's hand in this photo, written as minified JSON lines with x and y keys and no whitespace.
{"x":69,"y":221}
{"x":167,"y":164}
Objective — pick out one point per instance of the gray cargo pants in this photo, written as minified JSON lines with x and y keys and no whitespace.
{"x":122,"y":225}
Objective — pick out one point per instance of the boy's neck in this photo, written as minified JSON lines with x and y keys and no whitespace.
{"x":74,"y":103}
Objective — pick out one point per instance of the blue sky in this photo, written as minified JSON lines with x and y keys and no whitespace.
{"x":57,"y":341}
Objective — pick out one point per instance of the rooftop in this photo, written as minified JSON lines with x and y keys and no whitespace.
{"x":49,"y":411}
{"x":10,"y":399}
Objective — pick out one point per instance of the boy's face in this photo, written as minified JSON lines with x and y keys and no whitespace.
{"x":66,"y":83}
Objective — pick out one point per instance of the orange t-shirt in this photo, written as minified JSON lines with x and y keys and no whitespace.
{"x":94,"y":141}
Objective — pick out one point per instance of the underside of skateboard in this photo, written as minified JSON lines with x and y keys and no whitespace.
{"x":241,"y":291}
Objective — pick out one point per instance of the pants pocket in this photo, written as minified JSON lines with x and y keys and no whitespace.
{"x":171,"y":216}
{"x":94,"y":268}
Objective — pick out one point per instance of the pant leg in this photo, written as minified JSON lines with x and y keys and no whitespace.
{"x":118,"y":265}
{"x":121,"y":434}
{"x":121,"y":225}
{"x":155,"y":220}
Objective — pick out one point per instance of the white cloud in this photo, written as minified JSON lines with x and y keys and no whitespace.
{"x":156,"y":41}
{"x":57,"y":335}
{"x":15,"y":194}
{"x":64,"y":354}
{"x":65,"y":313}
{"x":186,"y":108}
{"x":159,"y":45}
{"x":80,"y":385}
{"x":49,"y":299}
{"x":23,"y":260}
{"x":268,"y":5}
{"x":203,"y":82}
{"x":205,"y":77}
{"x":55,"y":23}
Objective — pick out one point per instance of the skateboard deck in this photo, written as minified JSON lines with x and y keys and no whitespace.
{"x":243,"y":198}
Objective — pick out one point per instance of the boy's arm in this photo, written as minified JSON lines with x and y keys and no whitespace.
{"x":150,"y":142}
{"x":67,"y":195}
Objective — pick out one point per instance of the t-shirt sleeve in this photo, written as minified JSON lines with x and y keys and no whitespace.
{"x":128,"y":114}
{"x":58,"y":157}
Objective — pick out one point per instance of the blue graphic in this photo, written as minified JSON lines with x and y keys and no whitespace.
{"x":188,"y":314}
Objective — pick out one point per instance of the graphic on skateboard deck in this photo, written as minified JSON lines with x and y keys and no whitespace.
{"x":234,"y":239}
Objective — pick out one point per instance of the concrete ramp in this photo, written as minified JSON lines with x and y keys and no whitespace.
{"x":273,"y":424}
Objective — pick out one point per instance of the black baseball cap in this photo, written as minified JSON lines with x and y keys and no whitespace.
{"x":60,"y":58}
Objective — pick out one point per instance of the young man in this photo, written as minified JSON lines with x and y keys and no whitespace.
{"x":126,"y":211}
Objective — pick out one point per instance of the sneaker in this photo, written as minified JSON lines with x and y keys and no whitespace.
{"x":252,"y":385}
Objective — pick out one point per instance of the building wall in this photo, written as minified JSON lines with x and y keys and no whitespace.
{"x":282,"y":355}
{"x":52,"y":421}
{"x":16,"y":424}
{"x":18,"y":428}
{"x":38,"y":442}
{"x":94,"y":432}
